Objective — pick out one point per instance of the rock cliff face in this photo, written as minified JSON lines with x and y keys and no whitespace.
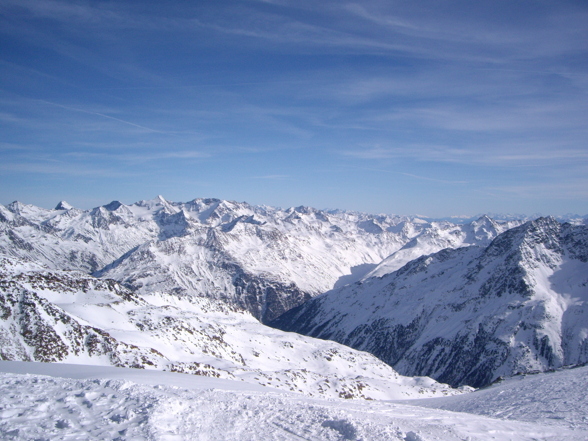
{"x":468,"y":315}
{"x":263,"y":259}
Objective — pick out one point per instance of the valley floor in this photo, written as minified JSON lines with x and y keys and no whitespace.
{"x":74,"y":402}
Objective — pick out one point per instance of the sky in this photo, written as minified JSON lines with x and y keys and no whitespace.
{"x":436,"y":108}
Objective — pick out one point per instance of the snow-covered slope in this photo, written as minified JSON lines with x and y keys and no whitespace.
{"x":439,"y":236}
{"x":69,"y":317}
{"x":72,"y":239}
{"x":263,"y":259}
{"x":556,"y":398}
{"x":469,"y":315}
{"x":48,"y":401}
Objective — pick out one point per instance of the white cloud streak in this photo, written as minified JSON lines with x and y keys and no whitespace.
{"x":102,"y":115}
{"x":272,"y":177}
{"x":505,"y":155}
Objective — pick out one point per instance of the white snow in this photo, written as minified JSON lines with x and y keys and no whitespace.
{"x":437,"y":236}
{"x":179,"y":245}
{"x":177,"y":253}
{"x":50,"y":402}
{"x":527,"y":289}
{"x":551,"y":398}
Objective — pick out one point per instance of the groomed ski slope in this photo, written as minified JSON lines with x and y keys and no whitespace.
{"x":58,"y":401}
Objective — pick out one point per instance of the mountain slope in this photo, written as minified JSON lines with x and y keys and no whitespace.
{"x":439,"y":236}
{"x":469,"y":315}
{"x":552,"y":398}
{"x":69,"y":317}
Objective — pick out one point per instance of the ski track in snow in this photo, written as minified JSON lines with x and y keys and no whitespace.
{"x":125,"y":404}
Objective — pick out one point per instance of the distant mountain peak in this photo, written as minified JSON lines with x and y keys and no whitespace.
{"x":16,"y":207}
{"x":114,"y":205}
{"x":63,"y":205}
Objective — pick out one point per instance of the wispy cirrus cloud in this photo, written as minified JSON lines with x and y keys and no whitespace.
{"x":505,"y":155}
{"x":101,"y":115}
{"x":432,"y":179}
{"x":567,"y":189}
{"x":522,"y":115}
{"x":483,"y":95}
{"x":60,"y":168}
{"x":59,"y":10}
{"x":11,"y":147}
{"x":272,"y":177}
{"x":144,"y":156}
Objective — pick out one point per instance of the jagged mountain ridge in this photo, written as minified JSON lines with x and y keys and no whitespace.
{"x":69,"y":317}
{"x":263,"y":259}
{"x":468,"y":315}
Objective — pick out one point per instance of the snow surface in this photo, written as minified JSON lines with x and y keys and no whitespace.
{"x":439,"y":236}
{"x":176,"y":254}
{"x":555,"y":398}
{"x":58,"y":402}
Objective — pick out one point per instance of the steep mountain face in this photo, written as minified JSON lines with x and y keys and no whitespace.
{"x":468,"y":315}
{"x":60,"y":316}
{"x":262,"y":259}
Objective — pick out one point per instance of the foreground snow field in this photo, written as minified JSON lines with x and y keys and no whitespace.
{"x":74,"y":402}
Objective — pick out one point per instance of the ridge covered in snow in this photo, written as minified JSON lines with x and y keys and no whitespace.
{"x":468,"y":315}
{"x":263,"y":259}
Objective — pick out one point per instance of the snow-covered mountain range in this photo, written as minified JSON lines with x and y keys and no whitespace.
{"x":186,"y":287}
{"x":265,"y":260}
{"x":467,"y":315}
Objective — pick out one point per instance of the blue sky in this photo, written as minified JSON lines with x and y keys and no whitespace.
{"x":436,"y":108}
